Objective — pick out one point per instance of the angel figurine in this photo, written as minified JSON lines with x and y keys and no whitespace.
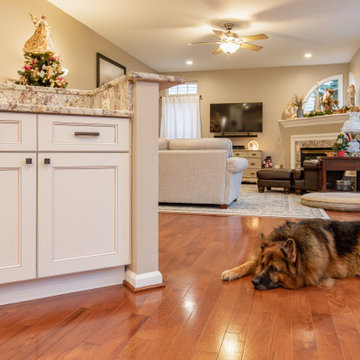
{"x":41,"y":42}
{"x":351,"y":92}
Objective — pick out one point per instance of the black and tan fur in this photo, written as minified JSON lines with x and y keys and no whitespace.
{"x":306,"y":253}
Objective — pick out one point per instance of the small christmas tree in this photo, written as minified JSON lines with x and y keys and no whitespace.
{"x":42,"y":67}
{"x":42,"y":70}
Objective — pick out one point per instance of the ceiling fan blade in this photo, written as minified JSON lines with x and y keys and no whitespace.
{"x":217,"y":51}
{"x":250,"y":46}
{"x":218,"y":33}
{"x":254,"y":37}
{"x":205,"y":42}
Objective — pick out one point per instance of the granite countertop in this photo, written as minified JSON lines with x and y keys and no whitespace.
{"x":113,"y":99}
{"x":67,"y":110}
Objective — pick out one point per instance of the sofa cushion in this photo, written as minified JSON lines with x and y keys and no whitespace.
{"x":236,"y":164}
{"x":202,"y":144}
{"x":163,"y":144}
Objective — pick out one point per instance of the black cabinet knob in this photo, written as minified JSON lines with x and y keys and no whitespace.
{"x":28,"y":161}
{"x":46,"y":161}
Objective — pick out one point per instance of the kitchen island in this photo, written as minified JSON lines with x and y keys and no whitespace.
{"x":79,"y":187}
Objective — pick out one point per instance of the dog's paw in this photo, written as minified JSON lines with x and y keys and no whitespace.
{"x":229,"y":275}
{"x":327,"y":283}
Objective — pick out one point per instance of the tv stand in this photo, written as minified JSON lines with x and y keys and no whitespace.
{"x":222,"y":135}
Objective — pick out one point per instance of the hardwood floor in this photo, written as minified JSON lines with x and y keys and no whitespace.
{"x":195,"y":316}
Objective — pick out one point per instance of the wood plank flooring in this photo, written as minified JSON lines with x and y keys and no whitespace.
{"x":195,"y":316}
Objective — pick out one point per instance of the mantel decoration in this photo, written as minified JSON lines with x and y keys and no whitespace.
{"x":324,"y":105}
{"x":42,"y":67}
{"x":298,"y":102}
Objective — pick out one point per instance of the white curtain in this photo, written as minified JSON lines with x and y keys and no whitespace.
{"x":180,"y":117}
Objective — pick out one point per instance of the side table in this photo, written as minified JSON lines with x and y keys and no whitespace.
{"x":337,"y":163}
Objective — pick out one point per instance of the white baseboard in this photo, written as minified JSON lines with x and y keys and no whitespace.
{"x":58,"y":285}
{"x":143,"y":280}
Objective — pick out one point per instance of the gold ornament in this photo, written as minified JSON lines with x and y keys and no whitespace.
{"x":41,"y":42}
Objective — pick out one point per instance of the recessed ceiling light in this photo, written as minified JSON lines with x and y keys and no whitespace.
{"x":189,"y":62}
{"x":308,"y":55}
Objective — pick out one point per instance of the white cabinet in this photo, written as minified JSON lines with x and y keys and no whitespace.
{"x":254,"y":160}
{"x":64,"y":195}
{"x":17,"y":216}
{"x":84,"y":206}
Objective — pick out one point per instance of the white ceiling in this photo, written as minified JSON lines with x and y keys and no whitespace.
{"x":157,"y":32}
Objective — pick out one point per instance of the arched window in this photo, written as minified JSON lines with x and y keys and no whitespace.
{"x":332,"y":82}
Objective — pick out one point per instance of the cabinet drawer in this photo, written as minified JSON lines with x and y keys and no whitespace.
{"x":254,"y":154}
{"x":254,"y":163}
{"x":250,"y":173}
{"x":79,"y":133}
{"x":17,"y":132}
{"x":240,"y":153}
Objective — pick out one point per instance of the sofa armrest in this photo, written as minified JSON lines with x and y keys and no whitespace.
{"x":235,"y":164}
{"x":313,"y":164}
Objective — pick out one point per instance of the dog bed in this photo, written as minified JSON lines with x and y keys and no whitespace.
{"x":341,"y":201}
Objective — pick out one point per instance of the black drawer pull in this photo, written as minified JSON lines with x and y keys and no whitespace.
{"x":28,"y":161}
{"x":46,"y":161}
{"x":86,"y":133}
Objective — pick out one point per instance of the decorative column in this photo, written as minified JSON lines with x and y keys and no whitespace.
{"x":144,"y":270}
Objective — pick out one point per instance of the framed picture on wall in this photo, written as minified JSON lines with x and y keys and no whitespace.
{"x":107,"y":70}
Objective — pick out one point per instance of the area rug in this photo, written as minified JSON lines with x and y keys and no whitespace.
{"x":252,"y":203}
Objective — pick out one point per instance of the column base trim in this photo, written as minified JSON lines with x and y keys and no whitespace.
{"x":141,"y":282}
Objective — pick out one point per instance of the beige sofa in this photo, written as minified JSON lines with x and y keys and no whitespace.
{"x":199,"y":171}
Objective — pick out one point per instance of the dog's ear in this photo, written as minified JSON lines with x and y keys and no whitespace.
{"x":289,"y":249}
{"x":263,"y":241}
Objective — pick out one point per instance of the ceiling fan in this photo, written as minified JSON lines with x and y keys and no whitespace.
{"x":229,"y":42}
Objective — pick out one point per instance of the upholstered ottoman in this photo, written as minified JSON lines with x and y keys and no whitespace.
{"x":268,"y":178}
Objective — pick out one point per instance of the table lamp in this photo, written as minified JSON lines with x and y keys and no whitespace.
{"x":352,"y":127}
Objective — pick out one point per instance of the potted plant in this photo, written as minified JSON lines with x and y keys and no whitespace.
{"x":298,"y":102}
{"x":341,"y":144}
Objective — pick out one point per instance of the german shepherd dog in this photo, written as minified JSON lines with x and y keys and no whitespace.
{"x":305,"y":253}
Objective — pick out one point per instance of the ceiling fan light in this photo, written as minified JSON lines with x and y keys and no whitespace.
{"x":229,"y":48}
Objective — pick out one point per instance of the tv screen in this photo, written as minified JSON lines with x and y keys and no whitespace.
{"x":239,"y":117}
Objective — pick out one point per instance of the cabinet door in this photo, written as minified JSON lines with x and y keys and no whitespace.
{"x":83,"y":212}
{"x":17,"y":217}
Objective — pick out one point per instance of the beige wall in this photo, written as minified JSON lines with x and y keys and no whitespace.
{"x":272,"y":86}
{"x":74,"y":42}
{"x":355,"y":70}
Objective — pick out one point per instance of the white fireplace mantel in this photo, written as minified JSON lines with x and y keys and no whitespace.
{"x":316,"y":120}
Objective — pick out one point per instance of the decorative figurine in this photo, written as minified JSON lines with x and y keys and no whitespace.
{"x":328,"y":100}
{"x":317,"y":104}
{"x":350,"y":100}
{"x":289,"y":112}
{"x":267,"y":163}
{"x":41,"y":42}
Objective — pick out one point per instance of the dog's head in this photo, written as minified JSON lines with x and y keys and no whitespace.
{"x":276,"y":266}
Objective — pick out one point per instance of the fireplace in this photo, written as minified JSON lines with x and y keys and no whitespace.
{"x":320,"y":143}
{"x":307,"y":153}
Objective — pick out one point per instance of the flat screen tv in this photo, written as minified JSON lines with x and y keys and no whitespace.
{"x":236,"y":118}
